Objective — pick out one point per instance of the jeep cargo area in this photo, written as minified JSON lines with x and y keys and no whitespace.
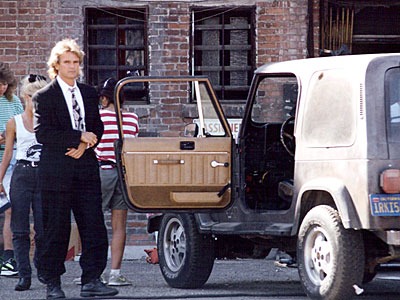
{"x":315,"y":172}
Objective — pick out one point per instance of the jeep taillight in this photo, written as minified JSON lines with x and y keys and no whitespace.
{"x":390,"y":181}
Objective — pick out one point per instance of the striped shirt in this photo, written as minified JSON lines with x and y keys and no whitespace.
{"x":105,"y":149}
{"x":8,"y":110}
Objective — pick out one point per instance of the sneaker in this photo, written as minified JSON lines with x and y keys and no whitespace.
{"x":103,"y":278}
{"x":118,"y":280}
{"x":77,"y":281}
{"x":9,"y":268}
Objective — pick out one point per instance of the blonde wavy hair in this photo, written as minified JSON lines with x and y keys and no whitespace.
{"x":31,"y":84}
{"x":7,"y":77}
{"x":66,"y":45}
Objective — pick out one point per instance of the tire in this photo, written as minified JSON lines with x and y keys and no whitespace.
{"x":330,"y":258}
{"x":186,"y":257}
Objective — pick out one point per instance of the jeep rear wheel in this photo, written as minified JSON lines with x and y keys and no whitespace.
{"x":186,"y":256}
{"x":330,"y":257}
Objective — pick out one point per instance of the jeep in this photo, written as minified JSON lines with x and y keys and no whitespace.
{"x":315,"y":172}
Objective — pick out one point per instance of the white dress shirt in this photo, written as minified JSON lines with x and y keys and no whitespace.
{"x":65,"y":87}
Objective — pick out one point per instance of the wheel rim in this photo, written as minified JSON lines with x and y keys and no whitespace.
{"x":318,"y":255}
{"x":174,"y":244}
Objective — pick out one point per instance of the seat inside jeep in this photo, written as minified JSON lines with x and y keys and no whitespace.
{"x":268,"y":144}
{"x":268,"y":169}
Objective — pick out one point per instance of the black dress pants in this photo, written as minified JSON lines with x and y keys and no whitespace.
{"x":84,"y":200}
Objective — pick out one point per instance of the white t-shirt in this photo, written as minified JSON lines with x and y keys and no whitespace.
{"x":28,"y":147}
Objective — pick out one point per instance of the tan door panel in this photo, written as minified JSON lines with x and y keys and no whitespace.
{"x":161,"y":175}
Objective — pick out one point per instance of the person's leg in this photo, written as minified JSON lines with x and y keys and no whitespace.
{"x":118,"y":224}
{"x":9,"y":267}
{"x":108,"y":183}
{"x":38,"y":221}
{"x":7,"y":234}
{"x":21,"y":194}
{"x":56,"y":232}
{"x":86,"y":206}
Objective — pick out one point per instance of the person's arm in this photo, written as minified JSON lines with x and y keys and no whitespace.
{"x":5,"y":162}
{"x":2,"y":137}
{"x":77,"y":153}
{"x":98,"y":123}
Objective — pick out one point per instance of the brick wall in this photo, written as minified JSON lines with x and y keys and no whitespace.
{"x":281,"y":31}
{"x":168,"y":35}
{"x":136,"y":229}
{"x":30,"y":28}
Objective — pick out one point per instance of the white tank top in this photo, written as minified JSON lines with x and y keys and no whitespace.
{"x":27,"y":146}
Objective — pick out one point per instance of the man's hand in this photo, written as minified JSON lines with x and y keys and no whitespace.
{"x":77,"y":153}
{"x":89,"y":138}
{"x":2,"y":189}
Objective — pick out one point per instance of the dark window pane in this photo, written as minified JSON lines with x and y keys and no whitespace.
{"x":224,"y":50}
{"x":116,"y":46}
{"x":102,"y":57}
{"x":392,"y":96}
{"x":102,"y":36}
{"x":100,"y":75}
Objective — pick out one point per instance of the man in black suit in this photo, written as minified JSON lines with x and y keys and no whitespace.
{"x":68,"y":124}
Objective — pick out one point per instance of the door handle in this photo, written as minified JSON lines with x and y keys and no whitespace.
{"x":169,"y":162}
{"x":215,"y":164}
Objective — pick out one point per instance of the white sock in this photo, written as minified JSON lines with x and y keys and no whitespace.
{"x":115,"y":272}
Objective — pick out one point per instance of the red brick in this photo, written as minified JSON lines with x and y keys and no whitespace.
{"x":169,"y":134}
{"x":178,"y":26}
{"x":169,"y":101}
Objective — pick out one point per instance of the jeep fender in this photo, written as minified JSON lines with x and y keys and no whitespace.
{"x":153,"y":223}
{"x":340,"y":195}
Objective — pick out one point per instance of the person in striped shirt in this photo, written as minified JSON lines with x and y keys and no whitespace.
{"x":110,"y":187}
{"x":10,"y":105}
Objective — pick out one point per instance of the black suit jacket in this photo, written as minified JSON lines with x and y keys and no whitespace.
{"x":54,"y":130}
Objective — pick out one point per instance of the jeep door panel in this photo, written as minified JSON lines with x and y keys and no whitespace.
{"x":161,"y":175}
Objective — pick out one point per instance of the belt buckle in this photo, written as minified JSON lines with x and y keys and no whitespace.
{"x":33,"y":164}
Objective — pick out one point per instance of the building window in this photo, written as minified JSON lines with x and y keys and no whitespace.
{"x":223,"y":45}
{"x":116,"y":46}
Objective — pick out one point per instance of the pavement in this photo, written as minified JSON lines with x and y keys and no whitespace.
{"x":148,"y":282}
{"x":252,"y":279}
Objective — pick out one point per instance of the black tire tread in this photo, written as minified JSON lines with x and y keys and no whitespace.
{"x":198,"y":263}
{"x":350,"y":260}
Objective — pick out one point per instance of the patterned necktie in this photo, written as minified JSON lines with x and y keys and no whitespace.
{"x":76,"y":111}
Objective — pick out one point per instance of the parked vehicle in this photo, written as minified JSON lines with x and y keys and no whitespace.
{"x":320,"y":181}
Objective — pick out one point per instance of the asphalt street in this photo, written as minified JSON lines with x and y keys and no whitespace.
{"x":230,"y":279}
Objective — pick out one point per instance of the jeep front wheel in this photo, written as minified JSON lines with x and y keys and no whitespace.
{"x":330,"y":257}
{"x":186,"y":257}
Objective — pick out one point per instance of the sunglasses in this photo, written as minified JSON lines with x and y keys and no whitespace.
{"x":34,"y":77}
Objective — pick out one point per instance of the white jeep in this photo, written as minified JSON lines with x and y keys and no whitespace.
{"x":322,"y":183}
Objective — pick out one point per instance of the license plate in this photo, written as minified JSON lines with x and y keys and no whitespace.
{"x":385,"y":204}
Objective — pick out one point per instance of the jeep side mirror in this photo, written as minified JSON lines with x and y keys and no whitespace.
{"x":191,"y":130}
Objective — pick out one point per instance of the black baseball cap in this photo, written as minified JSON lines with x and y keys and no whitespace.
{"x":106,"y":88}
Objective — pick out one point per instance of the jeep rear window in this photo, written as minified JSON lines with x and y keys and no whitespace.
{"x":330,"y":116}
{"x":392,"y":97}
